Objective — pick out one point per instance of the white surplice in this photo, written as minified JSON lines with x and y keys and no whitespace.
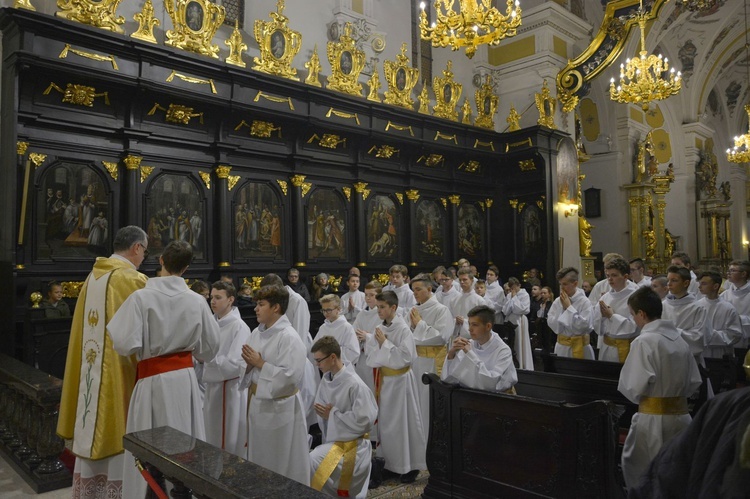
{"x":461,"y":306}
{"x":298,"y":313}
{"x":644,"y":283}
{"x":740,"y":298}
{"x":600,"y":289}
{"x":485,"y":367}
{"x":163,"y":318}
{"x":576,"y":320}
{"x":400,"y":433}
{"x":660,"y":364}
{"x":725,"y":327}
{"x":344,"y":333}
{"x":276,"y":424}
{"x":367,"y":320}
{"x":352,"y":416}
{"x":515,"y":309}
{"x":618,"y":327}
{"x":446,"y":298}
{"x":495,"y":298}
{"x":224,"y":404}
{"x":690,"y":318}
{"x":434,"y":329}
{"x":358,"y":304}
{"x":405,"y":295}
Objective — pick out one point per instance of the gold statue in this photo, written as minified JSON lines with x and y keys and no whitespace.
{"x":513,"y":120}
{"x":644,"y":147}
{"x":347,"y":62}
{"x":313,"y":69}
{"x":98,"y":13}
{"x":545,"y":104}
{"x":486,"y":102}
{"x":669,"y":244}
{"x":447,"y":94}
{"x":466,"y":112}
{"x":424,"y":100}
{"x":401,"y":78}
{"x":584,"y":235}
{"x":650,"y":238}
{"x":374,"y":84}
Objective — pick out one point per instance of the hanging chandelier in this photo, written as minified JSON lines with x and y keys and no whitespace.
{"x":740,"y":153}
{"x":642,"y":79}
{"x":475,"y":24}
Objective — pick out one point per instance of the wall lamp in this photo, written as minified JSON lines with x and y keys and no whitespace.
{"x":569,"y":209}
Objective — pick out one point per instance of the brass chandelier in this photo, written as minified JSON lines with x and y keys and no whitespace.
{"x":740,"y":153}
{"x":476,"y":23}
{"x":642,"y":78}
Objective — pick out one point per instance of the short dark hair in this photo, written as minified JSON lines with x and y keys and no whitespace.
{"x":567,"y":271}
{"x":327,"y":345}
{"x":401,"y":269}
{"x":389,"y":297}
{"x":465,"y":271}
{"x":425,"y":279}
{"x":683,"y":272}
{"x":619,"y":265}
{"x":127,"y":237}
{"x":273,"y":294}
{"x":682,"y":256}
{"x":374,"y":284}
{"x":638,"y":262}
{"x":51,"y":285}
{"x":713,"y":275}
{"x":513,"y":281}
{"x":484,"y":313}
{"x":494,"y":269}
{"x":645,"y":299}
{"x":271,"y":280}
{"x":177,"y":256}
{"x":744,"y":265}
{"x":199,"y":286}
{"x":349,"y":277}
{"x":660,"y":278}
{"x":225,"y":286}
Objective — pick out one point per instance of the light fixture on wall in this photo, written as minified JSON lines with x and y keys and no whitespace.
{"x":476,"y":23}
{"x":569,"y":209}
{"x":740,"y":153}
{"x":642,"y":78}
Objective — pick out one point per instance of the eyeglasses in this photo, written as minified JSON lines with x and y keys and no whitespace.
{"x":318,"y":361}
{"x":445,"y":279}
{"x":145,"y":251}
{"x":327,"y":310}
{"x":733,"y":271}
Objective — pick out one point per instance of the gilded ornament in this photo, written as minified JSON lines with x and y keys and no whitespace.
{"x":374,"y":84}
{"x":236,"y":47}
{"x":222,"y":171}
{"x":145,"y":172}
{"x":283,"y":185}
{"x":313,"y":69}
{"x":525,"y":142}
{"x":37,"y":159}
{"x":347,"y":62}
{"x":274,"y":98}
{"x":486,"y":102}
{"x":424,"y":100}
{"x":347,"y":192}
{"x":111,"y":167}
{"x":342,"y":114}
{"x":454,"y":199}
{"x":278,"y":45}
{"x":432,"y":160}
{"x":384,"y":151}
{"x":444,"y":202}
{"x":401,"y":78}
{"x":471,"y":166}
{"x":253,"y":282}
{"x":360,"y":186}
{"x":400,"y":128}
{"x":527,"y":165}
{"x":298,"y":180}
{"x":24,"y":4}
{"x":262,"y":129}
{"x":478,"y":143}
{"x":36,"y":298}
{"x":489,"y":202}
{"x":79,"y":95}
{"x":513,"y":119}
{"x":232,"y":181}
{"x":194,"y":23}
{"x":71,"y":289}
{"x":447,"y":94}
{"x":513,"y":203}
{"x":521,"y":206}
{"x":466,"y":113}
{"x":206,"y":177}
{"x":584,"y":236}
{"x":98,"y":13}
{"x":88,"y":55}
{"x":412,"y":195}
{"x":192,"y":79}
{"x":132,"y":162}
{"x":440,"y":135}
{"x":400,"y":198}
{"x":21,"y":147}
{"x":146,"y":23}
{"x":177,"y":113}
{"x":545,"y":104}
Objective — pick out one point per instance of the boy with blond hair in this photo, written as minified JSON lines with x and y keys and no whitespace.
{"x":336,"y":326}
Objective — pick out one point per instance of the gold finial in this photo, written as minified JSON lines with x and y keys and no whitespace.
{"x":24,"y":4}
{"x":424,"y":99}
{"x":313,"y":69}
{"x":146,"y":23}
{"x":222,"y":171}
{"x":513,"y":119}
{"x":36,"y":298}
{"x":374,"y":84}
{"x":236,"y":46}
{"x":466,"y":113}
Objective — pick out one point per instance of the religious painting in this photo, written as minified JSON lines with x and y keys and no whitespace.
{"x":326,"y":225}
{"x":175,"y":211}
{"x":346,"y":62}
{"x":470,"y":233}
{"x":401,"y":79}
{"x":382,"y":227}
{"x":532,"y":219}
{"x":278,"y":44}
{"x":194,"y":16}
{"x":258,"y":216}
{"x":567,"y":172}
{"x":72,"y":212}
{"x":431,"y":221}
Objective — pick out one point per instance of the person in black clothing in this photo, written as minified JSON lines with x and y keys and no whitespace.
{"x":297,"y":285}
{"x":54,"y":306}
{"x":545,"y":336}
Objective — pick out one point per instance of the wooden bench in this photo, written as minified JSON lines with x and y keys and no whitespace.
{"x":581,"y":367}
{"x":484,"y":444}
{"x":197,"y":468}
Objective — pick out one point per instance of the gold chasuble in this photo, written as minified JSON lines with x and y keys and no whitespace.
{"x":100,"y":366}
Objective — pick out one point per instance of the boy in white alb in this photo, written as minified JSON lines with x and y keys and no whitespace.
{"x":275,"y":357}
{"x":446,"y":292}
{"x":738,"y":294}
{"x":225,"y":405}
{"x":397,"y":284}
{"x":612,"y":320}
{"x":484,"y":362}
{"x":391,"y":349}
{"x":495,"y":295}
{"x":346,"y":410}
{"x":570,"y":317}
{"x":353,"y":301}
{"x":721,"y":316}
{"x":336,"y":325}
{"x":638,"y":272}
{"x":517,"y":304}
{"x":681,"y":307}
{"x":365,"y":323}
{"x":466,"y":300}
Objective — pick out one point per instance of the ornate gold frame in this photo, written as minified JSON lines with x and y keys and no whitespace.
{"x":447,"y":94}
{"x":400,"y":74}
{"x":278,"y":44}
{"x":341,"y":80}
{"x":487,"y":103}
{"x":194,"y":29}
{"x":98,"y":13}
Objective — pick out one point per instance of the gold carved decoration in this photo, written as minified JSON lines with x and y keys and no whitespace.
{"x":283,"y":185}
{"x":177,"y":114}
{"x":527,"y":165}
{"x":278,"y":45}
{"x":400,"y":198}
{"x":313,"y":69}
{"x":79,"y":95}
{"x":489,"y":202}
{"x":24,"y":4}
{"x":540,"y":203}
{"x":194,"y":23}
{"x":466,"y":113}
{"x":299,"y":181}
{"x":412,"y":195}
{"x":232,"y":181}
{"x":342,"y":114}
{"x":132,"y":162}
{"x":432,"y":160}
{"x":525,"y":142}
{"x":88,"y":55}
{"x":145,"y":172}
{"x":444,"y":202}
{"x":384,"y":151}
{"x":479,"y":143}
{"x":146,"y":23}
{"x":191,"y":79}
{"x":71,"y":289}
{"x":37,"y":159}
{"x":236,"y":47}
{"x":347,"y":192}
{"x":273,"y":98}
{"x":253,"y":282}
{"x":21,"y":147}
{"x":347,"y":62}
{"x":486,"y":102}
{"x":455,"y":199}
{"x":471,"y":166}
{"x":401,"y":78}
{"x":545,"y":104}
{"x":98,"y":13}
{"x":222,"y":171}
{"x":447,"y":94}
{"x":111,"y":167}
{"x":400,"y":128}
{"x":513,"y":119}
{"x":521,"y":206}
{"x":361,"y":188}
{"x":439,"y":135}
{"x":374,"y":85}
{"x":424,"y":100}
{"x":328,"y":140}
{"x":206,"y":177}
{"x":262,"y":129}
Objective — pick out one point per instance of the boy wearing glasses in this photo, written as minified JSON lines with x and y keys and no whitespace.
{"x":337,"y":326}
{"x":392,"y":350}
{"x":346,"y":410}
{"x":275,"y":357}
